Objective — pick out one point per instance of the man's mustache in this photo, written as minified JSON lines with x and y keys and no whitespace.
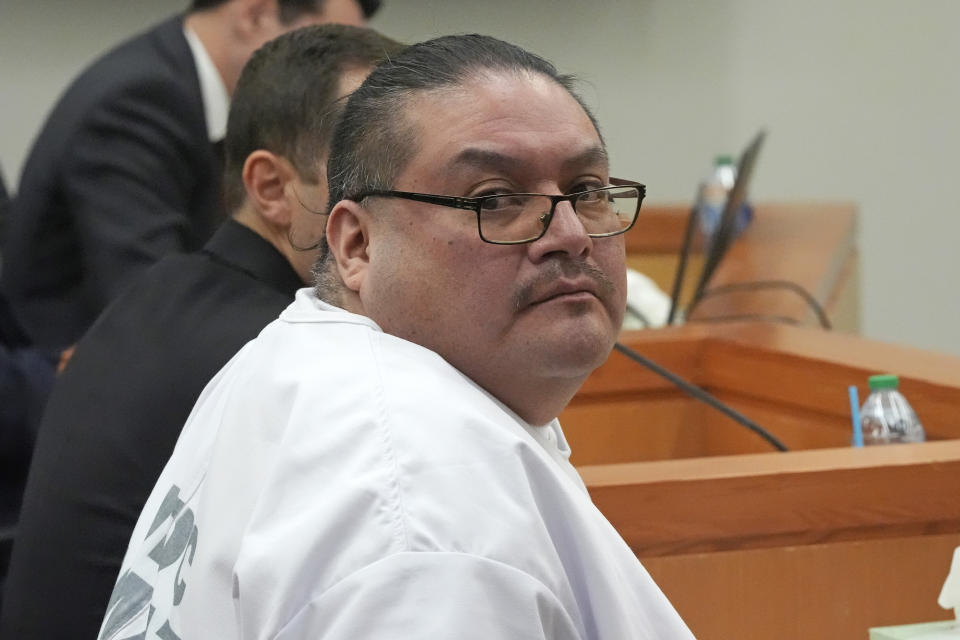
{"x":562,"y":267}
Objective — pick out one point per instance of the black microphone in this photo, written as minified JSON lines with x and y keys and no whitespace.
{"x":701,"y":395}
{"x":681,"y":272}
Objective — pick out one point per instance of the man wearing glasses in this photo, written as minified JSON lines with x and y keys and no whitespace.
{"x":384,"y":460}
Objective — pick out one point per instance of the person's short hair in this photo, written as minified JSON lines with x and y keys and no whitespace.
{"x":374,"y":139}
{"x":286,"y":98}
{"x":290,"y":10}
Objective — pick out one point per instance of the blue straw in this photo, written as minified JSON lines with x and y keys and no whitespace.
{"x":855,"y":416}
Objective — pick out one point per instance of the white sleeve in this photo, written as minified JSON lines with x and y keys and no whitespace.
{"x":433,"y":595}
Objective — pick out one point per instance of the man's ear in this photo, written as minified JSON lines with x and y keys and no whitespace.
{"x":268,"y":178}
{"x":254,"y":15}
{"x":348,"y":235}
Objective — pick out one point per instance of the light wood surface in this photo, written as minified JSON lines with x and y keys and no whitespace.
{"x":805,"y":592}
{"x":792,"y":380}
{"x":811,"y":244}
{"x":824,"y":541}
{"x":767,"y":500}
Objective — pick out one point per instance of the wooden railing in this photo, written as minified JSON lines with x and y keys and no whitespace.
{"x":823,"y":541}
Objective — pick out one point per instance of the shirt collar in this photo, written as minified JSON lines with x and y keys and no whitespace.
{"x":216,"y":100}
{"x":245,"y":250}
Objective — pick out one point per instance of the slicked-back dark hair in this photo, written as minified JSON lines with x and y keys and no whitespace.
{"x":375,"y":139}
{"x":286,"y":98}
{"x":290,"y":10}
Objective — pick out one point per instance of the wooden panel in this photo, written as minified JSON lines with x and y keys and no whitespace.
{"x":807,"y":368}
{"x":679,"y":349}
{"x":762,"y":500}
{"x":805,"y":243}
{"x":792,"y":380}
{"x":814,"y":543}
{"x":798,"y":428}
{"x":659,"y":229}
{"x":625,"y":412}
{"x":843,"y":306}
{"x":834,"y":590}
{"x":668,"y":424}
{"x":660,"y":426}
{"x":811,"y":244}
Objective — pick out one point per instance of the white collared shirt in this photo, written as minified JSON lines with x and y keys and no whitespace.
{"x":336,"y":482}
{"x":216,"y":99}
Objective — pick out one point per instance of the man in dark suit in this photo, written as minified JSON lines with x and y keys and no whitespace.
{"x":4,"y":203}
{"x":118,"y":407}
{"x":26,"y":375}
{"x":125,"y":170}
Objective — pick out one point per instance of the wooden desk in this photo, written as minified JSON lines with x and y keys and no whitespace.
{"x":811,"y":244}
{"x":793,"y":380}
{"x":825,"y":541}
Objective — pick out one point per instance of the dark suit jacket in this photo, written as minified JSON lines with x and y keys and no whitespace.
{"x":122,"y":174}
{"x":113,"y":419}
{"x":4,"y":205}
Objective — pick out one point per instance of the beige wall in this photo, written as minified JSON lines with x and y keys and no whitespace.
{"x":861,"y":101}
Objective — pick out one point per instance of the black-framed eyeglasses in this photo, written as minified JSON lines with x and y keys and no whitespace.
{"x":518,"y":218}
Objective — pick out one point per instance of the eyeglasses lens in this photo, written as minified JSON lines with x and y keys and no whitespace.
{"x":519,"y":218}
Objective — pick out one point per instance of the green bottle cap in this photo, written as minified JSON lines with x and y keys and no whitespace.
{"x":886,"y":381}
{"x":720,"y":161}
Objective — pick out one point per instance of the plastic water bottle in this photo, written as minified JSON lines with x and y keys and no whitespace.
{"x":886,"y":416}
{"x":716,"y":189}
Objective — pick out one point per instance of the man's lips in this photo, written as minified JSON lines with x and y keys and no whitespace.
{"x":563,"y":277}
{"x":565,"y":288}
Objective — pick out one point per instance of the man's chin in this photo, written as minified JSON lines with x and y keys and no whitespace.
{"x":579,"y":349}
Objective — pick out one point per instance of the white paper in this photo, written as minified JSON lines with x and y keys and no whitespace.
{"x":950,"y":594}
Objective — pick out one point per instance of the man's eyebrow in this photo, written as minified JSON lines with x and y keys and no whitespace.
{"x":591,"y":157}
{"x":487,"y":159}
{"x":484,"y":159}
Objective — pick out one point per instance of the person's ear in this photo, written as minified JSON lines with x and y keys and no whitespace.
{"x":268,"y":180}
{"x":254,"y":16}
{"x":348,"y":235}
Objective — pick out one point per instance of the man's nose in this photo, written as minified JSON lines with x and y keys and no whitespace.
{"x":565,"y":234}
